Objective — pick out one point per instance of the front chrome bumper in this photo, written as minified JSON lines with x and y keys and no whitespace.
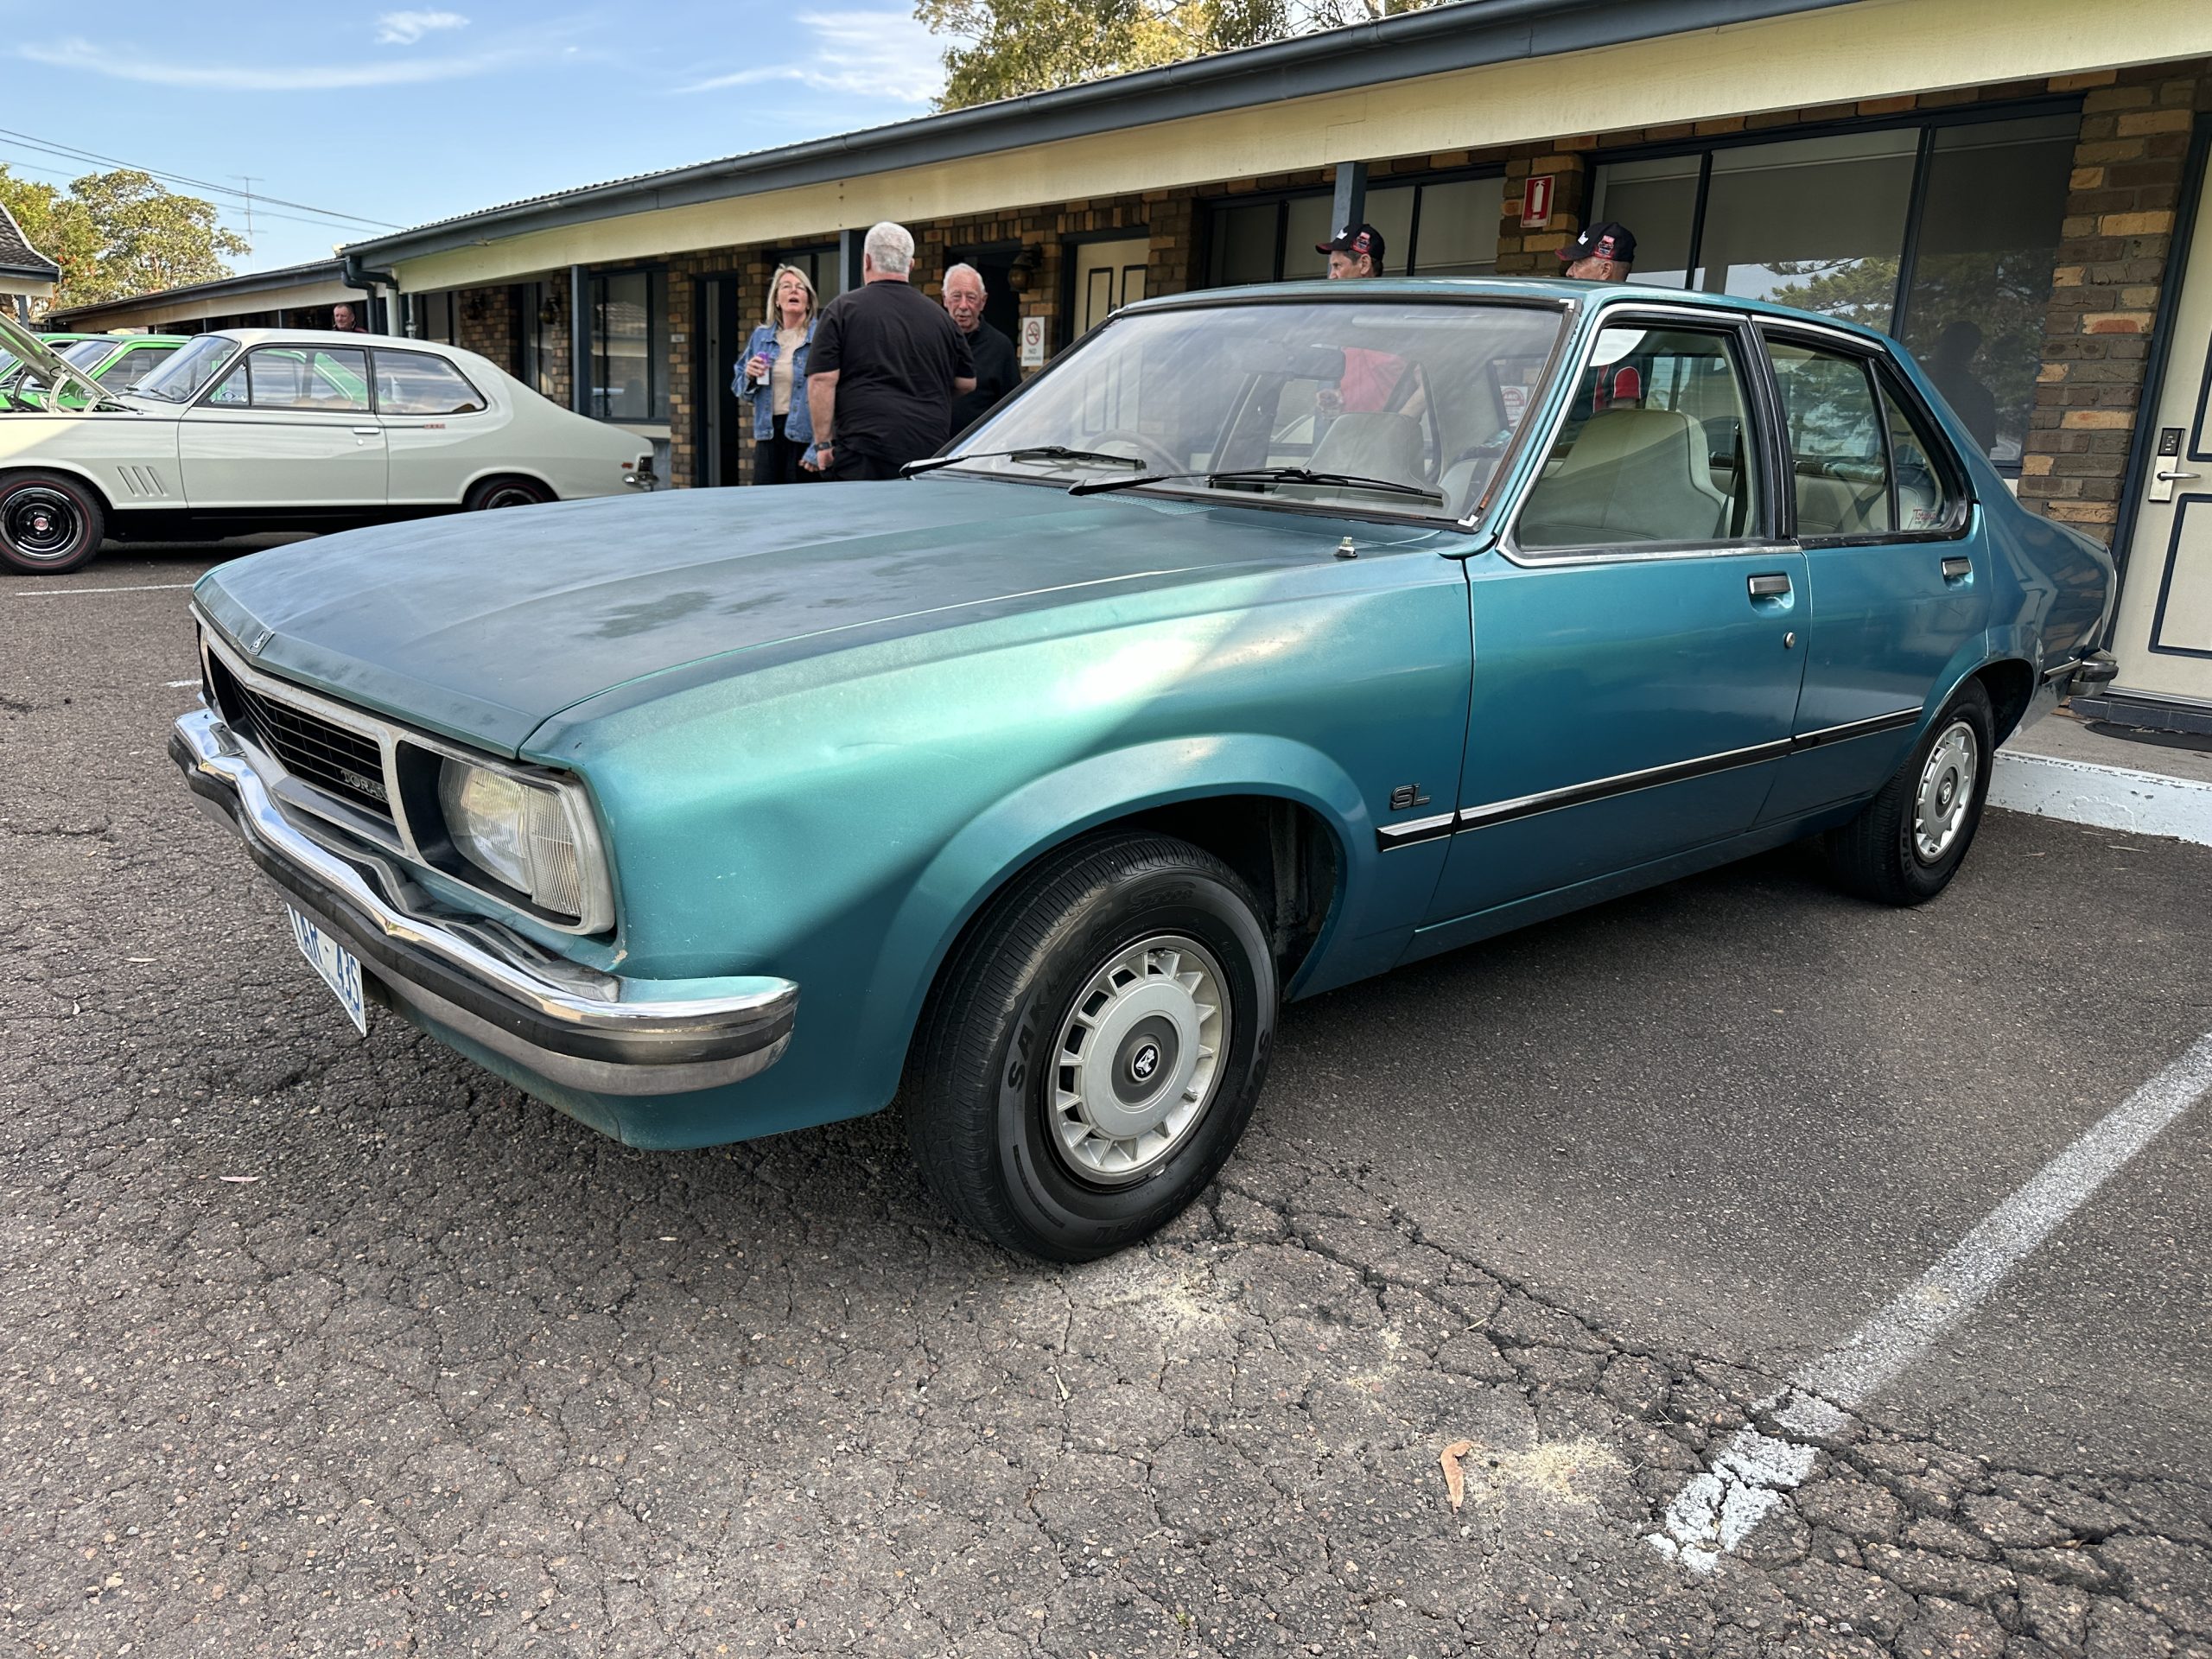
{"x":568,"y":1024}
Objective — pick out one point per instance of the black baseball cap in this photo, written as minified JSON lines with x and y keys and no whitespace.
{"x":1355,"y":239}
{"x":1604,"y":240}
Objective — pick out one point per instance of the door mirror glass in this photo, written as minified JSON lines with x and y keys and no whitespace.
{"x":1656,"y":447}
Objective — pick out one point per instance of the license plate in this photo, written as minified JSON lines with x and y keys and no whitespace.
{"x":340,"y":968}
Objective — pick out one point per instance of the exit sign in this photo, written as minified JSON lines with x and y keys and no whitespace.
{"x":1537,"y":202}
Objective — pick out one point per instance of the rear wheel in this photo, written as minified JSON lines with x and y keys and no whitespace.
{"x":50,"y":523}
{"x":1908,"y":841}
{"x":504,"y":493}
{"x":1095,"y":1049}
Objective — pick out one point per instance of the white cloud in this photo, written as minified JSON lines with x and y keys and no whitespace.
{"x":77,"y":53}
{"x":880,"y":54}
{"x":405,"y":28}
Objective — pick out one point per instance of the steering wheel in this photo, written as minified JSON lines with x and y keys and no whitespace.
{"x":1155,"y":458}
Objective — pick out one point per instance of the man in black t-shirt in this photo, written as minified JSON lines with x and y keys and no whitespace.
{"x":885,"y":365}
{"x":998,"y":370}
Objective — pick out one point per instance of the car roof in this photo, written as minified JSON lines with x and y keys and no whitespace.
{"x":1559,"y":290}
{"x":332,"y":337}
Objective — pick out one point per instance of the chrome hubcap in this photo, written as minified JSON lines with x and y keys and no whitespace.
{"x":40,"y":523}
{"x":1947,"y":785}
{"x":1138,"y":1059}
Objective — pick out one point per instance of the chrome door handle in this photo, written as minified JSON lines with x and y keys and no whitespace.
{"x":1768,"y":587}
{"x":1956,"y":568}
{"x":2167,"y":475}
{"x":367,"y":431}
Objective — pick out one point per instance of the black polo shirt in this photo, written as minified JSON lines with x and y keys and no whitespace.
{"x":896,"y":355}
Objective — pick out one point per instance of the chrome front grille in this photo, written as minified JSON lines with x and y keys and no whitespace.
{"x":347,"y":764}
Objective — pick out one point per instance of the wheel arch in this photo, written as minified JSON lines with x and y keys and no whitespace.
{"x":495,"y":474}
{"x":1284,"y":816}
{"x":2010,"y":684}
{"x":74,"y":471}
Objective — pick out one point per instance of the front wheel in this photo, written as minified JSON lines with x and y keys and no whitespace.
{"x":50,"y":523}
{"x":504,"y":493}
{"x":1908,"y":842}
{"x":1095,"y":1049}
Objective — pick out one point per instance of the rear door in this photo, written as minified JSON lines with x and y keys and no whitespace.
{"x":1893,"y":557}
{"x":287,"y":427}
{"x":1635,"y":652}
{"x":434,"y":420}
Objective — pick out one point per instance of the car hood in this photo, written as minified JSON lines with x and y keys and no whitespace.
{"x":482,"y":627}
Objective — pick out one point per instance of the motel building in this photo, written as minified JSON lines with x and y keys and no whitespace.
{"x":2016,"y":191}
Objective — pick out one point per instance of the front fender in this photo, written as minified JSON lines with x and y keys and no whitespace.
{"x":1013,"y":832}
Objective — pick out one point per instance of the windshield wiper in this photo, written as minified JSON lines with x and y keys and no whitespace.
{"x":1264,"y":475}
{"x":1035,"y":452}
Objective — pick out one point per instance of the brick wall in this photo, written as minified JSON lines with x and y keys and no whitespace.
{"x":484,"y":320}
{"x":2120,"y":209}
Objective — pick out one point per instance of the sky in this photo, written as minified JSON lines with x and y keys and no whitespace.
{"x":396,"y":115}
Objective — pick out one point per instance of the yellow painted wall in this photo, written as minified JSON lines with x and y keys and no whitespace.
{"x":1873,"y":48}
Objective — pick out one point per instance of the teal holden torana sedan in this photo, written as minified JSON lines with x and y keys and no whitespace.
{"x":1270,"y":639}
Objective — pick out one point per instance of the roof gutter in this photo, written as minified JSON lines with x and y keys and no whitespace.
{"x":1412,"y":44}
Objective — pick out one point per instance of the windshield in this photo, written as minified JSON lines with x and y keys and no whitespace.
{"x":86,"y":352}
{"x":1425,"y":397}
{"x":180,"y":379}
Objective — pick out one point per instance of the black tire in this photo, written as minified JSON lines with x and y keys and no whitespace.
{"x":488,"y":493}
{"x":989,"y":1124}
{"x":50,"y":523}
{"x":1881,"y":854}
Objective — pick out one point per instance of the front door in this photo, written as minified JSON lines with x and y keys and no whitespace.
{"x":1636,"y":648}
{"x":1898,"y":574}
{"x":289,"y":427}
{"x":2164,"y":635}
{"x":1108,"y":275}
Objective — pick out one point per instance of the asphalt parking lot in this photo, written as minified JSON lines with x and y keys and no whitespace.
{"x":313,"y":1345}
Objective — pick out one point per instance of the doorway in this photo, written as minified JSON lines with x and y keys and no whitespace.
{"x":1002,"y":305}
{"x":1107,"y":277}
{"x":721,"y":419}
{"x":2163,"y":634}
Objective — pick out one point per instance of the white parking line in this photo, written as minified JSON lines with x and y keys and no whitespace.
{"x":1754,"y":1471}
{"x":56,"y":593}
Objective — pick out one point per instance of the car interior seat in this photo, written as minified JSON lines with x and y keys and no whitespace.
{"x":1633,"y":475}
{"x":1377,"y":443}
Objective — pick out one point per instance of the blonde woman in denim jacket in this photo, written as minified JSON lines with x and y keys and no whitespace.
{"x":772,"y":380}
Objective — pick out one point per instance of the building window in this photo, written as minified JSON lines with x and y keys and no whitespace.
{"x":436,"y":317}
{"x":1943,"y":234}
{"x":1440,"y":228}
{"x":629,"y":345}
{"x":822,"y":269}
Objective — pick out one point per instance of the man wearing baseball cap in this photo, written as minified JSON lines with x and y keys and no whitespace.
{"x":1355,"y":250}
{"x":1603,"y":253}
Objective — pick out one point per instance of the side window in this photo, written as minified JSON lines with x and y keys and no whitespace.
{"x":234,"y":392}
{"x":314,"y":379}
{"x":415,"y":383}
{"x":1838,"y":451}
{"x":1927,"y":500}
{"x":1656,"y":447}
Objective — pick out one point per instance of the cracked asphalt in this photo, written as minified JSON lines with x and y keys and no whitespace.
{"x":309,"y":1345}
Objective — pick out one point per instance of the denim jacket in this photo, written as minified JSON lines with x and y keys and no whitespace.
{"x":798,"y":426}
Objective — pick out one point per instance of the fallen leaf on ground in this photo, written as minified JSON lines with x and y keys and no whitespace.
{"x":1455,"y":1484}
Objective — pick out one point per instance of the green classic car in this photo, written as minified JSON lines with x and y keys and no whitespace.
{"x":117,"y":362}
{"x":1269,"y":639}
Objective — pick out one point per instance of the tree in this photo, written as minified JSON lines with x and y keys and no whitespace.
{"x":1007,"y":48}
{"x":120,"y":233}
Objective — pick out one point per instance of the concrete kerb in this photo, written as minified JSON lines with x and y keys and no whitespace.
{"x":2110,"y":797}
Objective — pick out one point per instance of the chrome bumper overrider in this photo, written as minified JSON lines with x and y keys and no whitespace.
{"x":568,"y":1024}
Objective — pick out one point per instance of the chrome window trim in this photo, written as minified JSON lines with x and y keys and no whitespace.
{"x":297,"y":793}
{"x":1712,"y":320}
{"x":1390,"y":837}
